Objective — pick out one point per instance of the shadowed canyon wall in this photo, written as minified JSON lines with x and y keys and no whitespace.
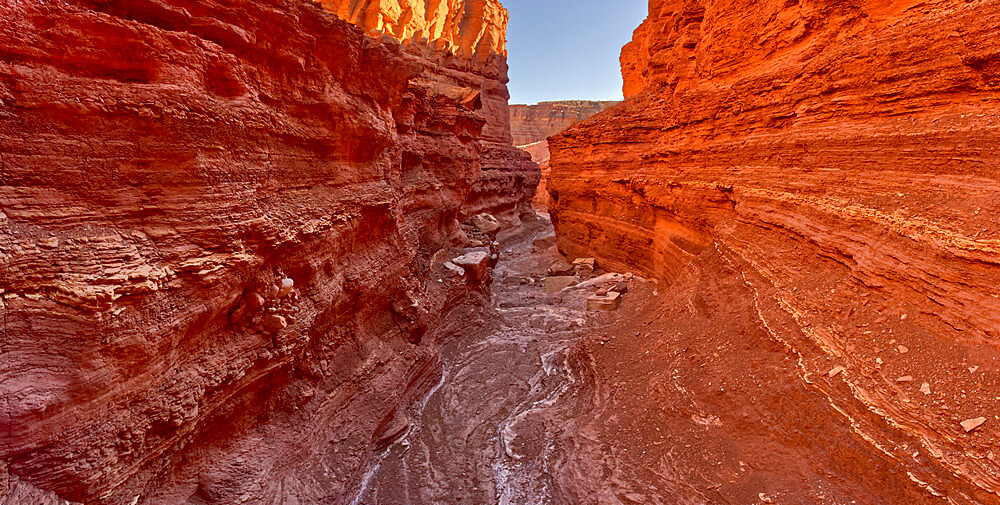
{"x":839,"y":158}
{"x":221,"y":224}
{"x":463,"y":43}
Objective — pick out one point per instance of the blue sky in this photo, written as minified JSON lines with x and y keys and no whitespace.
{"x":568,"y":49}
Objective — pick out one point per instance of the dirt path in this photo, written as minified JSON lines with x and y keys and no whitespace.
{"x":679,"y":397}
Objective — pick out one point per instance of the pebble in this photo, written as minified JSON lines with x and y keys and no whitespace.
{"x":837,"y":370}
{"x":903,"y":349}
{"x":925,"y":388}
{"x":971,"y":424}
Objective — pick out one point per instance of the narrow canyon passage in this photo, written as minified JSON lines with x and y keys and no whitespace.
{"x":289,"y":252}
{"x":655,"y":403}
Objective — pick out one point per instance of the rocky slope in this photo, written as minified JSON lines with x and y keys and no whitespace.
{"x":534,"y":123}
{"x":830,"y":166}
{"x":221,"y":239}
{"x":463,"y":46}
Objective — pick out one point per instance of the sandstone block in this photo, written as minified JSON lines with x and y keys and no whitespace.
{"x":560,"y":268}
{"x":474,"y":264}
{"x":485,"y":223}
{"x":608,"y":302}
{"x":274,"y":323}
{"x":558,"y":283}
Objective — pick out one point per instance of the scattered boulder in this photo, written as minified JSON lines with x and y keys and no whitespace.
{"x":608,"y":302}
{"x":453,"y":270}
{"x":971,"y":424}
{"x":585,"y":265}
{"x":474,"y":264}
{"x":485,"y":223}
{"x":286,"y":287}
{"x":274,"y":323}
{"x":557,"y":283}
{"x":561,"y":267}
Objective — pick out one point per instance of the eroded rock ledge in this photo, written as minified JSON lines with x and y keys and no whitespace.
{"x":840,"y":158}
{"x":221,"y":238}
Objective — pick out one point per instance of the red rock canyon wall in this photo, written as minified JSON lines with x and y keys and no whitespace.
{"x":463,"y":45}
{"x":840,"y":158}
{"x":534,"y":123}
{"x":531,"y":125}
{"x":220,"y":224}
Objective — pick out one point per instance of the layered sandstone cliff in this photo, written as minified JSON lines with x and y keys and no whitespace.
{"x":221,"y":224}
{"x":531,"y":125}
{"x":534,"y":123}
{"x":461,"y":44}
{"x":840,"y":160}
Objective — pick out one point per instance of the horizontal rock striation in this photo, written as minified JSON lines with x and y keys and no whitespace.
{"x":461,"y":45}
{"x":221,"y":224}
{"x":534,"y":123}
{"x":839,"y":158}
{"x":531,"y":125}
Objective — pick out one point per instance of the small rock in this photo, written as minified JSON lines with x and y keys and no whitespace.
{"x":274,"y":323}
{"x":485,"y":223}
{"x":905,"y":378}
{"x":602,"y":292}
{"x":453,"y":270}
{"x":902,"y":349}
{"x":764,"y":498}
{"x":286,"y":287}
{"x":973,"y":369}
{"x":879,"y":362}
{"x":621,"y":287}
{"x":474,"y":264}
{"x":49,"y":242}
{"x":585,"y":263}
{"x":273,"y":291}
{"x":561,"y":267}
{"x":558,"y":283}
{"x":837,"y":370}
{"x":629,"y":275}
{"x":609,"y":302}
{"x":971,"y":424}
{"x":925,"y":388}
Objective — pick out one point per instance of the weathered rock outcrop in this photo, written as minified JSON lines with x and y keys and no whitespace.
{"x":533,"y":123}
{"x":461,"y":44}
{"x":840,"y":159}
{"x":221,"y":225}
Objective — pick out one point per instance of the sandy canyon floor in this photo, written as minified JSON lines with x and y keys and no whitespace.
{"x":679,"y":397}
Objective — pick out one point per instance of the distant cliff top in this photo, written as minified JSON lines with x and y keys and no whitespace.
{"x":533,"y":123}
{"x":465,"y":28}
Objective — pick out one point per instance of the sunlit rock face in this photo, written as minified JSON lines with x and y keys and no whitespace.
{"x":531,"y":125}
{"x":840,"y":158}
{"x":534,"y":123}
{"x":220,"y":228}
{"x":461,"y":45}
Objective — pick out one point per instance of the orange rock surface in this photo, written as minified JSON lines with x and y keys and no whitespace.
{"x":534,"y":123}
{"x":839,"y":160}
{"x":531,"y":125}
{"x":461,"y":44}
{"x":221,"y":224}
